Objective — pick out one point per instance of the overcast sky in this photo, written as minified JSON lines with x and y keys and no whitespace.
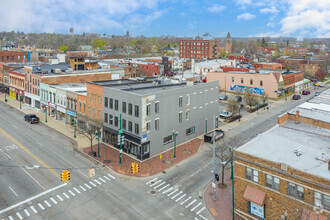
{"x":242,"y":18}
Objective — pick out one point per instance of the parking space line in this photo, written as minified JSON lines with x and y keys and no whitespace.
{"x":185,"y":200}
{"x":180,"y":197}
{"x":10,"y":217}
{"x":155,"y":183}
{"x":147,"y":183}
{"x":173,"y":197}
{"x":27,"y":213}
{"x":163,"y":188}
{"x":112,"y":176}
{"x":41,"y":206}
{"x":19,"y":215}
{"x":60,"y":198}
{"x":75,"y":189}
{"x":33,"y":209}
{"x":66,"y":195}
{"x":202,"y":217}
{"x":97,"y":182}
{"x":101,"y":179}
{"x":106,"y":178}
{"x":92,"y":184}
{"x":167,"y":190}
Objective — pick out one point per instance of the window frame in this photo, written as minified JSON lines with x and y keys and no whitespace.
{"x":253,"y":178}
{"x":157,"y":124}
{"x":272,"y":184}
{"x":168,"y":139}
{"x":293,"y":191}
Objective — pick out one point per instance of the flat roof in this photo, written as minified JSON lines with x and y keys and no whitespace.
{"x":74,"y":87}
{"x":278,"y":145}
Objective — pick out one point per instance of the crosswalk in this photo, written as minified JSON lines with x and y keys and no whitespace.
{"x":178,"y":196}
{"x":30,"y":210}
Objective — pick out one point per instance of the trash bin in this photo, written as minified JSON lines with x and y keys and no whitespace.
{"x":94,"y":152}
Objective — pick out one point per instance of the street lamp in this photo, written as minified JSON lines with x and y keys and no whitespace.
{"x":120,"y":146}
{"x":75,"y":128}
{"x":5,"y":94}
{"x":98,"y":143}
{"x":20,"y":102}
{"x":175,"y":133}
{"x":45,"y":114}
{"x":213,"y":174}
{"x":239,"y":113}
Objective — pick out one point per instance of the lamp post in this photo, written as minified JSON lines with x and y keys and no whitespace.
{"x":75,"y":128}
{"x":5,"y":94}
{"x":213,"y":184}
{"x":98,"y":143}
{"x":20,"y":102}
{"x":232,"y":185}
{"x":239,"y":113}
{"x":175,"y":133}
{"x":45,"y":114}
{"x":120,"y":146}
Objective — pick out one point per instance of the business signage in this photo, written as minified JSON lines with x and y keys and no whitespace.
{"x":257,"y":210}
{"x":71,"y":113}
{"x":51,"y":105}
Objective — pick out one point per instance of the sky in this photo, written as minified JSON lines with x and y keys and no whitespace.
{"x":242,"y":18}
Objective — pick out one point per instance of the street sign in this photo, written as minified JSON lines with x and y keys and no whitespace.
{"x":92,"y":172}
{"x":213,"y":185}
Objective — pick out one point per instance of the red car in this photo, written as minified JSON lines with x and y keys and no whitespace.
{"x":306,"y":92}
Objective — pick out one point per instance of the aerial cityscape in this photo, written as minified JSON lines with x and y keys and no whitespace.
{"x":164,"y":109}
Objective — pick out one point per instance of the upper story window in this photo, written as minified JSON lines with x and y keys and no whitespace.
{"x":251,"y":81}
{"x":124,"y":107}
{"x":157,"y":124}
{"x":94,"y":98}
{"x":261,"y":83}
{"x":232,"y":79}
{"x":111,"y":103}
{"x":188,"y":99}
{"x":156,"y":107}
{"x":137,"y":111}
{"x":252,"y":174}
{"x":296,"y":191}
{"x":130,"y":109}
{"x":180,"y":101}
{"x":180,"y":117}
{"x":100,"y":100}
{"x":106,"y":100}
{"x":273,"y":182}
{"x":242,"y":80}
{"x":116,"y":105}
{"x":148,"y":109}
{"x":322,"y":200}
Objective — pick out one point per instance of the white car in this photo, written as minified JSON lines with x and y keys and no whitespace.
{"x":225,"y":114}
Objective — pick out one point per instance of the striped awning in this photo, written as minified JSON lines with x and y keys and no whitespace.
{"x":253,"y":195}
{"x":311,"y":215}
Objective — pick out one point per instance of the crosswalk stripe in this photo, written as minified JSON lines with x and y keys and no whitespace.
{"x":82,"y":188}
{"x":47,"y":203}
{"x":191,"y":203}
{"x":185,"y":200}
{"x":167,"y":190}
{"x":53,"y":200}
{"x":180,"y":197}
{"x":159,"y":185}
{"x":200,"y":210}
{"x":27,"y":213}
{"x":97,"y":182}
{"x":172,"y":192}
{"x":163,"y":188}
{"x":60,"y":198}
{"x":87,"y":186}
{"x":202,"y":217}
{"x":71,"y":193}
{"x":173,"y":197}
{"x":75,"y":189}
{"x":41,"y":206}
{"x":196,"y":218}
{"x":106,"y":178}
{"x":112,"y":176}
{"x":66,"y":195}
{"x":147,"y":183}
{"x":101,"y":179}
{"x":92,"y":184}
{"x":193,"y":209}
{"x":10,"y":218}
{"x":19,"y":215}
{"x":33,"y":209}
{"x":155,"y":183}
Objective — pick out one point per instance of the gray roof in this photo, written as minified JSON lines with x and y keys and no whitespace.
{"x":43,"y":68}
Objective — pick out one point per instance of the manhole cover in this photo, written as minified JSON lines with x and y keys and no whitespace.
{"x":152,"y":182}
{"x":153,"y":192}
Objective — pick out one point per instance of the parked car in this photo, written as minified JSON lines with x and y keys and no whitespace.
{"x":306,"y":92}
{"x":223,"y":98}
{"x":296,"y":97}
{"x":317,"y":93}
{"x":225,"y":114}
{"x":238,"y":98}
{"x":31,"y":118}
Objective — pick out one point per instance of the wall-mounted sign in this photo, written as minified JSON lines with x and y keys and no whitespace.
{"x":257,"y":210}
{"x":71,"y":113}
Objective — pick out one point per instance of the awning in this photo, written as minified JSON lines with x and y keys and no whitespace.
{"x":311,"y":215}
{"x":253,"y":195}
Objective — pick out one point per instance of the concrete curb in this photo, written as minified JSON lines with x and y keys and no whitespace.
{"x":208,"y":211}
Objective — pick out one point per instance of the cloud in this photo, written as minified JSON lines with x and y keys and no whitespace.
{"x":83,"y":15}
{"x":216,"y":8}
{"x":307,"y":15}
{"x":243,"y":2}
{"x":269,"y":10}
{"x":246,"y":16}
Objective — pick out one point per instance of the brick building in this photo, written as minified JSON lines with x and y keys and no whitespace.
{"x":81,"y":63}
{"x":17,"y":84}
{"x":240,"y":57}
{"x":291,"y":63}
{"x":309,"y":67}
{"x":269,"y":66}
{"x":285,"y":171}
{"x":13,"y":56}
{"x":300,"y":51}
{"x":147,"y":69}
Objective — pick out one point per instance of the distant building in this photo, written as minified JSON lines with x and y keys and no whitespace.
{"x":300,"y":51}
{"x":13,"y":56}
{"x":271,"y":66}
{"x":240,"y":57}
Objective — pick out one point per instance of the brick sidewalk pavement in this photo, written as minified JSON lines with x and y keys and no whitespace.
{"x":221,"y":208}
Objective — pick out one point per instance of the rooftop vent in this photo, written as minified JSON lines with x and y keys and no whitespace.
{"x":297,"y":151}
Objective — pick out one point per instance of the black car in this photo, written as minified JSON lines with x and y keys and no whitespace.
{"x":223,"y":98}
{"x":31,"y":118}
{"x":238,"y":98}
{"x":296,"y":97}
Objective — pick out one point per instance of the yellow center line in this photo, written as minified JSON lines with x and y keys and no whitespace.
{"x":31,"y":154}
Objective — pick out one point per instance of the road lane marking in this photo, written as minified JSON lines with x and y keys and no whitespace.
{"x":151,"y":181}
{"x":60,"y":198}
{"x":6,"y":154}
{"x":71,"y":193}
{"x":106,"y":178}
{"x":30,"y":153}
{"x":173,"y":197}
{"x":112,"y":176}
{"x":163,"y":188}
{"x":41,"y":206}
{"x":13,"y":191}
{"x":178,"y":199}
{"x":191,"y":203}
{"x":193,"y":209}
{"x":47,"y":203}
{"x":32,"y":198}
{"x":101,"y":179}
{"x":53,"y":200}
{"x":66,"y":195}
{"x":196,"y":218}
{"x":33,"y":179}
{"x":202,"y":217}
{"x":87,"y":186}
{"x":167,"y":190}
{"x":97,"y":182}
{"x":33,"y":209}
{"x":10,"y":218}
{"x":75,"y":189}
{"x":172,"y":192}
{"x":82,"y":188}
{"x":27,"y":213}
{"x":200,"y":210}
{"x":185,"y":200}
{"x":160,"y":185}
{"x":92,"y":184}
{"x":155,"y":183}
{"x":19,"y":215}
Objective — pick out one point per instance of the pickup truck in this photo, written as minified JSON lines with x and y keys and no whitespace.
{"x":218,"y":134}
{"x":225,"y":114}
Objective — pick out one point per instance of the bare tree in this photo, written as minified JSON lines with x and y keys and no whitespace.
{"x":90,"y":131}
{"x":264,"y":98}
{"x":250,"y":99}
{"x":233,"y":106}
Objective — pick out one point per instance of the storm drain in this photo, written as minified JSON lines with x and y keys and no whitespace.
{"x":153,"y":192}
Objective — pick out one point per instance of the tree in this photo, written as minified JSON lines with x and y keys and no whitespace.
{"x":308,"y":75}
{"x":233,"y":106}
{"x":90,"y":131}
{"x":222,"y":54}
{"x":321,"y":73}
{"x":225,"y":155}
{"x":250,"y":99}
{"x":64,"y":48}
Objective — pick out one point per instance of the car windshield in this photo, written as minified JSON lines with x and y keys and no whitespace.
{"x":224,"y":112}
{"x":33,"y":116}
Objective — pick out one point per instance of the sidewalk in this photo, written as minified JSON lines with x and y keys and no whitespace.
{"x":221,"y":208}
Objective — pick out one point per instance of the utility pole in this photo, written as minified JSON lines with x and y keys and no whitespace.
{"x":120,"y":132}
{"x":213,"y":185}
{"x":98,"y":143}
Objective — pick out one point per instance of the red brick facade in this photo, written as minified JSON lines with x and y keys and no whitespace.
{"x":13,"y":56}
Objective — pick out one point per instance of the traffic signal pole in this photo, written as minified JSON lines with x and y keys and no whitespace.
{"x":214,"y":197}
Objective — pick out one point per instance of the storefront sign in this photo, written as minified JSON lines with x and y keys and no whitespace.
{"x":257,"y":210}
{"x":51,"y":105}
{"x":60,"y":109}
{"x":144,"y":138}
{"x":71,"y":113}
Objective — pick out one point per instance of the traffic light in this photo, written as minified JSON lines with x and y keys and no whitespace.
{"x":63,"y":175}
{"x":133,"y":168}
{"x":68,"y":175}
{"x":217,"y":177}
{"x":137,"y":168}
